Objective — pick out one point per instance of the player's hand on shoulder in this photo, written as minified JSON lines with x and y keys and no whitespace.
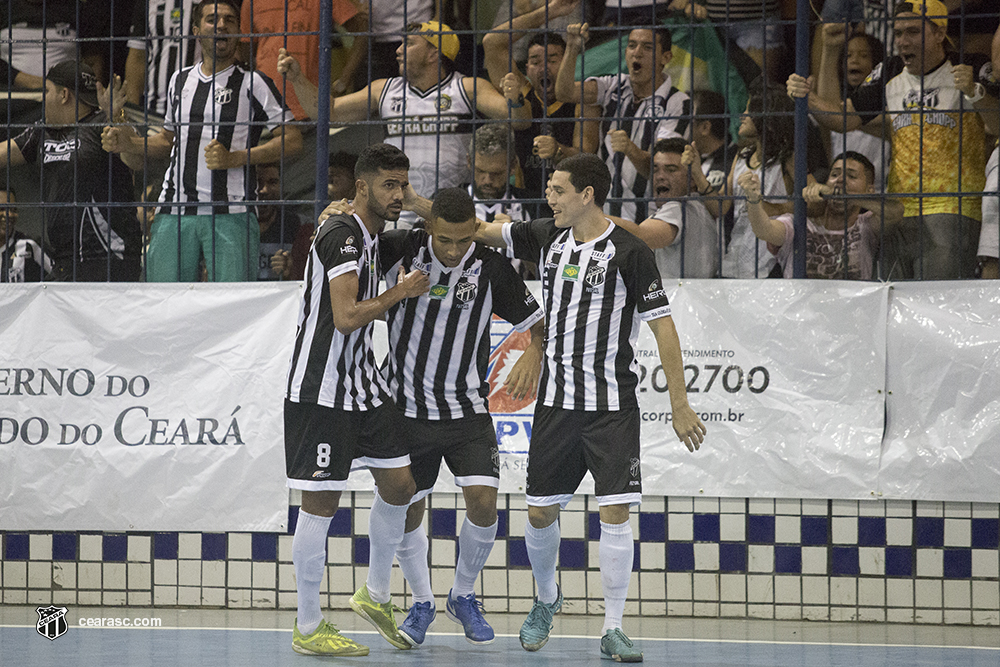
{"x":339,"y":207}
{"x":413,"y":283}
{"x":689,"y":428}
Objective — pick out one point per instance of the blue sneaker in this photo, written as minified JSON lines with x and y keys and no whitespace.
{"x":418,"y":622}
{"x":468,"y":611}
{"x":535,"y":629}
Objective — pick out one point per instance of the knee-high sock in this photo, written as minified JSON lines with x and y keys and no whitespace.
{"x":543,"y":549}
{"x":616,"y":551}
{"x":474,"y":546}
{"x":412,"y":557}
{"x":386,"y":524}
{"x":309,"y":559}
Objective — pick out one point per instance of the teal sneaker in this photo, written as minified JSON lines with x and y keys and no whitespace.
{"x":325,"y":640}
{"x":618,"y":647}
{"x":535,"y":629}
{"x":379,"y":615}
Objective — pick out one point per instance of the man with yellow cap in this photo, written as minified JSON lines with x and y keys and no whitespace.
{"x":429,"y":108}
{"x":940,"y":106}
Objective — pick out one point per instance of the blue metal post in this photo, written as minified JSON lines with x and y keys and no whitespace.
{"x":323,"y":115}
{"x":802,"y":14}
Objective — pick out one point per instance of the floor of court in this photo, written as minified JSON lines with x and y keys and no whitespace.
{"x":259,"y":637}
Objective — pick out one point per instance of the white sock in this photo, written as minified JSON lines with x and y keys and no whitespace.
{"x":616,"y":552}
{"x":474,"y":546}
{"x":543,"y":549}
{"x":386,"y":524}
{"x":309,"y":559}
{"x":412,"y":557}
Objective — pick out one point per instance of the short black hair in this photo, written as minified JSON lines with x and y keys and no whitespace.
{"x":586,"y":169}
{"x":343,"y":160}
{"x":671,"y":145}
{"x":199,"y":9}
{"x":661,"y":35}
{"x":453,"y":205}
{"x":547,"y":38}
{"x":380,"y":156}
{"x":712,"y":104}
{"x":860,"y":159}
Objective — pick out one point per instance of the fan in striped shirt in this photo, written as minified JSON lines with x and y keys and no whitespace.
{"x":338,"y":413}
{"x":439,"y":348}
{"x":598,"y":282}
{"x":22,"y":260}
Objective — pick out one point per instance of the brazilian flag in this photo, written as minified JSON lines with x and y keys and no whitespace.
{"x":699,"y":58}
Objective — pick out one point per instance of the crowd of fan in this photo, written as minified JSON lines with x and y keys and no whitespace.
{"x":214,"y":126}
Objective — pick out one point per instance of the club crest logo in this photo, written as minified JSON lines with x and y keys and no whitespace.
{"x":915,"y":100}
{"x":633,"y":468}
{"x":438,"y":292}
{"x":496,"y":458}
{"x":223,"y":96}
{"x":396,"y":105}
{"x":595,"y":276}
{"x":444,"y":102}
{"x":466,"y":292}
{"x":51,"y":622}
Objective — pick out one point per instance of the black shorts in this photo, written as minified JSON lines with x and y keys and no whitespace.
{"x":323,"y":445}
{"x":468,"y":445}
{"x":565,"y":444}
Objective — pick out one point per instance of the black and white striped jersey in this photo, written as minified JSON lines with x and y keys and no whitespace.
{"x":22,"y":260}
{"x":594,"y":295}
{"x":328,"y":367}
{"x":162,"y":28}
{"x":665,"y":113}
{"x":439,"y":342}
{"x":234,"y":106}
{"x":510,"y":204}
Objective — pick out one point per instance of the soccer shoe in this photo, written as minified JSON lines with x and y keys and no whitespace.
{"x":535,"y":629}
{"x":325,"y":640}
{"x":616,"y":646}
{"x":379,"y":615}
{"x":418,"y":622}
{"x":468,"y":611}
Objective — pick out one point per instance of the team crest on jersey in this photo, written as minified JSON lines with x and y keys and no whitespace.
{"x":496,"y":459}
{"x":875,"y":74}
{"x":175,"y":15}
{"x":571,"y":272}
{"x":633,"y":468}
{"x":51,"y":622}
{"x":396,"y":104}
{"x":444,"y":102}
{"x":438,"y":292}
{"x":466,"y":292}
{"x":223,"y":96}
{"x":595,"y":276}
{"x":928,"y":100}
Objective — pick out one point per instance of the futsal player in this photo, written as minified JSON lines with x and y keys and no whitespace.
{"x":439,"y":347}
{"x":598,"y":283}
{"x":338,"y":411}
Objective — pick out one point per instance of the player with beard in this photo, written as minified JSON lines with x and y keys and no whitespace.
{"x":683,"y":234}
{"x":216,"y":113}
{"x":841,"y":234}
{"x":338,"y":410}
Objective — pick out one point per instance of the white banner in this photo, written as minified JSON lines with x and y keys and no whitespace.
{"x":144,"y":407}
{"x":788,"y":377}
{"x":942,"y":439}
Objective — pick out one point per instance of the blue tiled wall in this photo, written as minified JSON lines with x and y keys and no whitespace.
{"x":896,"y":561}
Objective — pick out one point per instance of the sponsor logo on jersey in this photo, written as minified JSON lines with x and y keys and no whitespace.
{"x":602,"y":256}
{"x":438,"y":292}
{"x":321,"y":474}
{"x":654,"y":292}
{"x":571,"y":272}
{"x":466,"y":291}
{"x":930,"y":99}
{"x":51,"y":622}
{"x":348,"y":250}
{"x":59,"y":151}
{"x":471,"y":273}
{"x":223,"y":96}
{"x":595,"y":275}
{"x":417,"y":265}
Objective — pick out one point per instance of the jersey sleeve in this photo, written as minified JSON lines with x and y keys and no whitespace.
{"x":526,"y":239}
{"x":27,"y":142}
{"x":272,"y":110}
{"x":170,"y":122}
{"x":672,"y":213}
{"x":339,"y":248}
{"x":642,"y":279}
{"x":512,"y":300}
{"x":675,"y":117}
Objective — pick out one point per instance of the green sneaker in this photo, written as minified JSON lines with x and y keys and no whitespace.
{"x":326,"y":640}
{"x":379,"y":615}
{"x":616,"y":646}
